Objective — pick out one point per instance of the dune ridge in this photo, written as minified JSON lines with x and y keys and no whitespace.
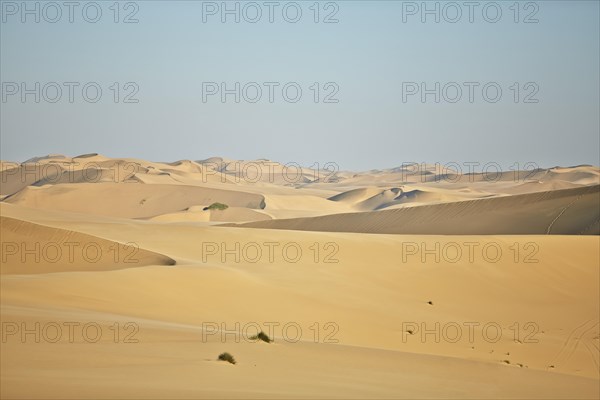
{"x":29,"y":248}
{"x":129,"y":200}
{"x":532,"y":213}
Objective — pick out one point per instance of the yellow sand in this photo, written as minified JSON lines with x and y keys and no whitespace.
{"x":356,"y":297}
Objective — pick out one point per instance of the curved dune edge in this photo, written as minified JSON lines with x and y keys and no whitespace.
{"x":567,"y":211}
{"x":129,"y":200}
{"x":374,"y":198}
{"x":29,"y":248}
{"x":198,"y":214}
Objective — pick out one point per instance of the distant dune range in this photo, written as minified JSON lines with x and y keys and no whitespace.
{"x":263,"y":190}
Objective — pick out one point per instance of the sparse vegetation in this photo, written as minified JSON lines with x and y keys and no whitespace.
{"x":261,"y":336}
{"x":227,"y":357}
{"x":216,"y":206}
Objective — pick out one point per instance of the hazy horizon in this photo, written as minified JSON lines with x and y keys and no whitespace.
{"x":366,"y":60}
{"x":466,"y":166}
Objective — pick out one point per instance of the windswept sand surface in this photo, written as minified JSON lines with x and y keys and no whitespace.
{"x":117,"y":282}
{"x":564,"y":211}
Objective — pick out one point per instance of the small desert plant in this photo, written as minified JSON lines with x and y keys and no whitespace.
{"x":227,"y":357}
{"x":217,"y":206}
{"x":261,"y":336}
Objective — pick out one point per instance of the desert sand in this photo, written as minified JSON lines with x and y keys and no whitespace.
{"x":119,"y":281}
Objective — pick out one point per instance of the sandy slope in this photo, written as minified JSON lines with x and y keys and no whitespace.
{"x":567,"y":211}
{"x":29,"y":248}
{"x":371,"y":294}
{"x":371,"y":199}
{"x":128,"y":200}
{"x":171,"y":362}
{"x":388,"y":306}
{"x":198,"y":213}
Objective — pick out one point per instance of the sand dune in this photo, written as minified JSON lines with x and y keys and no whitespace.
{"x":29,"y":248}
{"x":371,"y":199}
{"x":15,"y":177}
{"x":197,"y":213}
{"x":442,"y":183}
{"x":568,"y":211}
{"x":354,"y":196}
{"x":128,"y":200}
{"x":456,"y":174}
{"x":291,"y":174}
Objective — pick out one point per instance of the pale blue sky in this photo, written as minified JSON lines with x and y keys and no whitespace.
{"x":369,"y":53}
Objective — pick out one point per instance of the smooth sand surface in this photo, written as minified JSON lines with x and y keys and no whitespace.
{"x":565,"y":211}
{"x":360,"y":301}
